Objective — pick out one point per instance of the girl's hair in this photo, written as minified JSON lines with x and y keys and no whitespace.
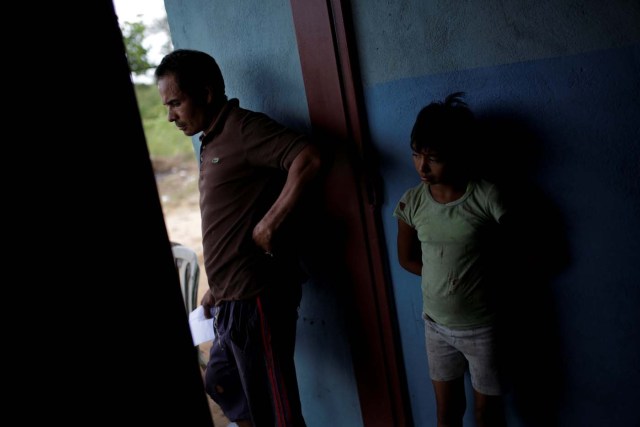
{"x":446,"y":127}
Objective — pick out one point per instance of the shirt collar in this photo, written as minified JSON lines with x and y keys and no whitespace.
{"x":218,"y":122}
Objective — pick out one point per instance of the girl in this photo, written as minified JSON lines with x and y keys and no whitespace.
{"x":445,"y":225}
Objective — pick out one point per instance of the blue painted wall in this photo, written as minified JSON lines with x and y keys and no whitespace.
{"x":255,"y":46}
{"x":558,"y":85}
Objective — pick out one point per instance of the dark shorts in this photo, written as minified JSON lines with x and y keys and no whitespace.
{"x":251,"y":373}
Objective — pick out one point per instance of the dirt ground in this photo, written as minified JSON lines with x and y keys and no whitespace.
{"x":177,"y":181}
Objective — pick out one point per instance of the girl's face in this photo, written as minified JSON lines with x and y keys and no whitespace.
{"x":431,"y":168}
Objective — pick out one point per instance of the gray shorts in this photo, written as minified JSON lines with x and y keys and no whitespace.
{"x":450,"y":351}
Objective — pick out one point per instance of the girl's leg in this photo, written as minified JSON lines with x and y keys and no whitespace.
{"x":488,"y":410}
{"x":450,"y":402}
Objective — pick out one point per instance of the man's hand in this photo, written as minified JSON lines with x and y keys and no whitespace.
{"x":263,"y":235}
{"x":207,"y":303}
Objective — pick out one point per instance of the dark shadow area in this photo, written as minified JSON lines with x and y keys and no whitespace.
{"x":321,"y":214}
{"x":532,"y":252}
{"x":332,"y":253}
{"x":124,"y":291}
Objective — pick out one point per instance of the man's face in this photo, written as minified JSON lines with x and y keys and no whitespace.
{"x":188,"y":115}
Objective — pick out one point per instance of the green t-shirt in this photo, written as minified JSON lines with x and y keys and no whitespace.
{"x":454,"y":237}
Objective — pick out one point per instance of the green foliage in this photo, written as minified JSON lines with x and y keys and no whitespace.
{"x":163,"y":138}
{"x":133,"y":34}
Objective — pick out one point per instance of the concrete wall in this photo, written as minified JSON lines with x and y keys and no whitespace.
{"x":255,"y":45}
{"x":556,"y":85}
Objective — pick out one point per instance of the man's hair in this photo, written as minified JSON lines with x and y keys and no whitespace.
{"x":445,"y":127}
{"x":194,"y":71}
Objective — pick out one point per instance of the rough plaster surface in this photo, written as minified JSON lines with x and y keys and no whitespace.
{"x":399,"y":39}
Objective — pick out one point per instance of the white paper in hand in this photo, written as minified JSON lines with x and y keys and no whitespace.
{"x":201,"y":327}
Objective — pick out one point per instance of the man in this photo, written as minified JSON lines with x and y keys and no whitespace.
{"x":253,"y":172}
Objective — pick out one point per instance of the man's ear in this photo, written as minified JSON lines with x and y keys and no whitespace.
{"x":209,"y":95}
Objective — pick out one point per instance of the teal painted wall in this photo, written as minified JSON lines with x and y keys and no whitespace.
{"x":411,"y":38}
{"x":557,"y":85}
{"x":254,"y":43}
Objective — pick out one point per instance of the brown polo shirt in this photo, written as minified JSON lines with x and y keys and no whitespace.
{"x":244,"y":159}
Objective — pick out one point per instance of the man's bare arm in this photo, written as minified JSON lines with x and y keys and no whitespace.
{"x":304,"y":168}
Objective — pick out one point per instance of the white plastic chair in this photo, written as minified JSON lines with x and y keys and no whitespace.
{"x":189,"y":271}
